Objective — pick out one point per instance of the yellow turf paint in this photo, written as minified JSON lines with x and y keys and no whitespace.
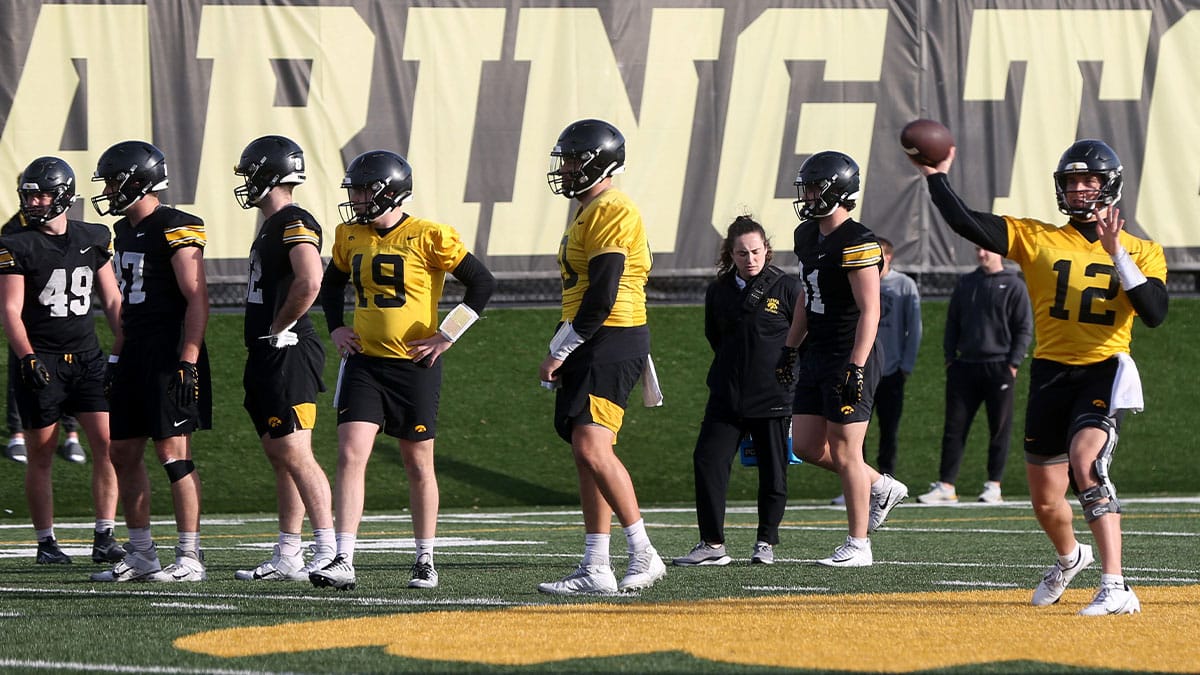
{"x":908,"y":631}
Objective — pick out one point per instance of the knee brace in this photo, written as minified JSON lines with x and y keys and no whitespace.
{"x":1091,"y":498}
{"x":177,"y":469}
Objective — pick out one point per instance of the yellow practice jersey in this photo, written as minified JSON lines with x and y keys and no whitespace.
{"x":1081,"y":314}
{"x":397,"y":280}
{"x":610,"y":223}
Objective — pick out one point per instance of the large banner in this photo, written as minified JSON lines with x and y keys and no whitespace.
{"x":720,"y":102}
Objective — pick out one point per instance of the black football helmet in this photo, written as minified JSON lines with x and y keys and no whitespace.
{"x":1093,"y":157}
{"x":49,"y":175}
{"x":385,"y":176}
{"x":266,"y":162}
{"x":137,"y":168}
{"x":598,"y":151}
{"x":834,"y":175}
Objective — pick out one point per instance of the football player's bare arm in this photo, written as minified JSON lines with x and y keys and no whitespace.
{"x":12,"y":292}
{"x":799,"y":328}
{"x":188,"y":264}
{"x":305,"y":286}
{"x":110,"y":302}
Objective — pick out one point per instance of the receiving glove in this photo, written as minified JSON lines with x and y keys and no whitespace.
{"x":33,"y":373}
{"x":284,"y":338}
{"x":785,"y":368}
{"x":851,"y":388}
{"x":185,"y":385}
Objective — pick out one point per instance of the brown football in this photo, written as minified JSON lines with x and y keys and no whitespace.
{"x":926,"y":141}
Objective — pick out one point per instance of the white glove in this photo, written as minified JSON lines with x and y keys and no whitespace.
{"x":284,"y":338}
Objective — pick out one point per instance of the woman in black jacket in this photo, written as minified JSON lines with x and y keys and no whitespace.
{"x":747,"y":312}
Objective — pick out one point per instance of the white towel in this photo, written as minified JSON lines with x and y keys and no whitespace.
{"x":1127,"y":387}
{"x":652,"y":396}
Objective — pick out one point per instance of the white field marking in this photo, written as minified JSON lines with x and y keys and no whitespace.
{"x":983,"y":584}
{"x":188,"y":605}
{"x":400,"y":545}
{"x":1174,"y":580}
{"x":335,"y":599}
{"x":787,"y":589}
{"x":11,"y":614}
{"x":122,"y":668}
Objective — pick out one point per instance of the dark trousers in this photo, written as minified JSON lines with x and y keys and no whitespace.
{"x":712,"y":459}
{"x":12,"y":416}
{"x":889,"y":405}
{"x":967,"y":386}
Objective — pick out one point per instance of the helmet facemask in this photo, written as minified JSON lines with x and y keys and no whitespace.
{"x":381,"y":200}
{"x":1107,"y":194}
{"x":584,"y":175}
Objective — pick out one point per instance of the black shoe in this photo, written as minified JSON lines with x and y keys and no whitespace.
{"x":50,"y":554}
{"x":105,"y":548}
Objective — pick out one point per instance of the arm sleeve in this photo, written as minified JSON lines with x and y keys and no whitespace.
{"x":1150,"y":301}
{"x":985,"y":229}
{"x":333,"y":289}
{"x":479,"y":282}
{"x":604,"y":277}
{"x":1021,"y":317}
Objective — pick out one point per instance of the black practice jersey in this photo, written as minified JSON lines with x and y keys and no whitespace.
{"x":60,"y":272}
{"x":825,"y":267}
{"x":153,"y":302}
{"x":271,"y":271}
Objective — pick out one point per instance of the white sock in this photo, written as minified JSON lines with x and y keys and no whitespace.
{"x":635,"y":537}
{"x":859,"y":542}
{"x":425,"y":547}
{"x":345,"y":545}
{"x":290,"y":544}
{"x":189,"y":542}
{"x":105,"y":524}
{"x":1067,"y":561}
{"x":595,"y":550}
{"x":45,"y":533}
{"x":1117,"y":580}
{"x":140,"y":540}
{"x":325,"y":537}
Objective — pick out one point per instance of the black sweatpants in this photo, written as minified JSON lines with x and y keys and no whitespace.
{"x":712,"y":461}
{"x":967,"y":386}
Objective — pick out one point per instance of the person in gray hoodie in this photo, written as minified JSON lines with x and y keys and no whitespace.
{"x":988,"y":329}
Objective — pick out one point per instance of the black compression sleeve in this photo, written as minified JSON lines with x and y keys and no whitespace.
{"x":333,"y":289}
{"x":604,"y":277}
{"x":478,"y":280}
{"x":1150,"y":301}
{"x":985,"y":229}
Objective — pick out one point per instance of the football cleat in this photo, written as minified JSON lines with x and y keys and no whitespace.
{"x":704,"y":554}
{"x":339,"y":574}
{"x":1055,"y":581}
{"x":188,"y":566}
{"x":585,"y":580}
{"x":1113,"y":599}
{"x":105,"y":548}
{"x":135,"y":566}
{"x":278,"y":568}
{"x":423,"y":573}
{"x":645,"y":568}
{"x":319,"y":558}
{"x":850,"y":554}
{"x":48,"y":553}
{"x":886,"y":494}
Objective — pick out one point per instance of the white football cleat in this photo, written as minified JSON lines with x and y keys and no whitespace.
{"x":135,"y":566}
{"x":644,"y":569}
{"x":1113,"y":599}
{"x":1055,"y":581}
{"x":278,"y":568}
{"x":188,"y":566}
{"x":585,"y":580}
{"x":339,"y":574}
{"x":850,"y":555}
{"x":886,"y":494}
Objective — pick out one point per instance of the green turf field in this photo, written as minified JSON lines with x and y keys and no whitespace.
{"x":949,"y":593}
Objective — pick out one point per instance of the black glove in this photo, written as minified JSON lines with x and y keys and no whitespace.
{"x":110,"y":375}
{"x":851,"y":388}
{"x":33,"y":373}
{"x":785,"y":368}
{"x":185,"y":385}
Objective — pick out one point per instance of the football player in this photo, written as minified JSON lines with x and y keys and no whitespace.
{"x":157,"y":377}
{"x":48,"y":272}
{"x":600,"y":349}
{"x":836,"y":320}
{"x":391,"y":373}
{"x":1087,"y":279}
{"x":285,"y":358}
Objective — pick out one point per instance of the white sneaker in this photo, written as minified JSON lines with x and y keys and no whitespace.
{"x":585,"y":580}
{"x":278,"y":568}
{"x":939,"y":493}
{"x":339,"y":574}
{"x":423,"y":573}
{"x":764,"y":554}
{"x":644,"y":569}
{"x":319,"y":558}
{"x":886,"y":494}
{"x":135,"y":566}
{"x":1057,"y":577}
{"x":850,"y":555}
{"x":839,"y":500}
{"x":991,"y":493}
{"x":1113,"y":599}
{"x":188,"y":566}
{"x":704,"y":554}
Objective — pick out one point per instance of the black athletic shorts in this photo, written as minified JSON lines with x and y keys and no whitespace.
{"x":397,"y":394}
{"x":140,"y":407}
{"x":595,"y":394}
{"x":282,"y":386}
{"x":817,"y":382}
{"x":1059,"y":395}
{"x":76,"y":386}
